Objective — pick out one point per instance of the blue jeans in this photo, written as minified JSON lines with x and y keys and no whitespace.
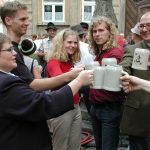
{"x":106,"y":121}
{"x":139,"y":143}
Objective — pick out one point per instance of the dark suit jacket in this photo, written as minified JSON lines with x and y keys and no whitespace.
{"x":136,"y":115}
{"x":23,"y":114}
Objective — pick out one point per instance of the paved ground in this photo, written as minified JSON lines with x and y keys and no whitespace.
{"x":92,"y":148}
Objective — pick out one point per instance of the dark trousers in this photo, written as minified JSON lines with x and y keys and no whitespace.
{"x":85,"y":97}
{"x":139,"y":143}
{"x":106,"y":121}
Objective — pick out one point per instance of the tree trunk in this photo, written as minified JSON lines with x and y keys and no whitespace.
{"x":105,"y":8}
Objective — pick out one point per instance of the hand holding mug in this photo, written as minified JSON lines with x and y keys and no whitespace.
{"x":86,"y":77}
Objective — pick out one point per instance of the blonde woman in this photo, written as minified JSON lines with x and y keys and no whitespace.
{"x":106,"y":106}
{"x":66,"y":129}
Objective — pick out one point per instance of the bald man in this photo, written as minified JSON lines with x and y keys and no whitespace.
{"x":136,"y":115}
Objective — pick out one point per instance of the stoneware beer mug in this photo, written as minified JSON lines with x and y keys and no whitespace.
{"x":112,"y":77}
{"x":140,"y":59}
{"x":92,"y":65}
{"x":98,"y":78}
{"x":109,"y":61}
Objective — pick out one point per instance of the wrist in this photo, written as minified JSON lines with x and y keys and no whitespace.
{"x":70,"y":76}
{"x":78,"y":83}
{"x":75,"y":86}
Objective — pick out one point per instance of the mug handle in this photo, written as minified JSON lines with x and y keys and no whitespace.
{"x":123,"y":73}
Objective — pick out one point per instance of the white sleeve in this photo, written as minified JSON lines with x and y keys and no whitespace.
{"x":35,"y":64}
{"x":40,"y":46}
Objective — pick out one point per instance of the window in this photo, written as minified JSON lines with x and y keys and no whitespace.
{"x":3,"y":1}
{"x":137,"y":0}
{"x":53,"y":10}
{"x":88,"y":10}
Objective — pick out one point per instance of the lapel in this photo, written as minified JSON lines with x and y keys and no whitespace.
{"x":144,"y":45}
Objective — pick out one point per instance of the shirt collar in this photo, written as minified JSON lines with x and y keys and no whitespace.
{"x":148,"y":44}
{"x":8,"y":73}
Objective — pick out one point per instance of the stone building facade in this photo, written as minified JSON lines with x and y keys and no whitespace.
{"x":73,"y":14}
{"x":127,"y":13}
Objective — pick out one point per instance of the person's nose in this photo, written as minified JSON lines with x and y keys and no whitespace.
{"x":27,"y":22}
{"x":14,"y":53}
{"x":144,"y":28}
{"x":96,"y":33}
{"x":73,"y":44}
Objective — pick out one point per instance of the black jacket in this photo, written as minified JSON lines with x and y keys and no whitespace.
{"x":23,"y":114}
{"x":21,"y":70}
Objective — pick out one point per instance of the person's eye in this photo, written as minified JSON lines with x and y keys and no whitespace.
{"x":141,"y":26}
{"x":69,"y":42}
{"x":148,"y":25}
{"x":94,"y":31}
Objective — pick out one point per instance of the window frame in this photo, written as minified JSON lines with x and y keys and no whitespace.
{"x":87,"y":3}
{"x":53,"y":4}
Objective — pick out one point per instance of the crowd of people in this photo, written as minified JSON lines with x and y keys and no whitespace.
{"x":43,"y":80}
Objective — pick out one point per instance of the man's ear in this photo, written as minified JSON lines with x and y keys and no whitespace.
{"x":8,"y":20}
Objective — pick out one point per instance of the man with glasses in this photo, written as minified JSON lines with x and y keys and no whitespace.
{"x":147,"y":25}
{"x":136,"y":116}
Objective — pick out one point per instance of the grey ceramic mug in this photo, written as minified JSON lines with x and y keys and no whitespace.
{"x":92,"y":65}
{"x":140,"y":59}
{"x":109,"y":61}
{"x":98,"y":77}
{"x":112,"y":77}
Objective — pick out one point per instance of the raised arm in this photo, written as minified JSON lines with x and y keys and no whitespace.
{"x":34,"y":106}
{"x":84,"y":78}
{"x":132,"y":83}
{"x":54,"y":82}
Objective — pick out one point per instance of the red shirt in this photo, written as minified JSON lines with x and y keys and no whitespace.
{"x":121,"y":43}
{"x":56,"y":67}
{"x":100,"y":95}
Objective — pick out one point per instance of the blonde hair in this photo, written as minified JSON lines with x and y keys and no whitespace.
{"x":110,"y":26}
{"x":57,"y":49}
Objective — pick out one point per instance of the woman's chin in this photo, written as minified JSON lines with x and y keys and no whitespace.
{"x":71,"y":53}
{"x":14,"y":66}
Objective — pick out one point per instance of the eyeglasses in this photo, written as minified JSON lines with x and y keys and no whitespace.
{"x":10,"y":49}
{"x":147,"y":26}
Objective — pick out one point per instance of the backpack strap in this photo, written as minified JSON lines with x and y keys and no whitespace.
{"x":32,"y":66}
